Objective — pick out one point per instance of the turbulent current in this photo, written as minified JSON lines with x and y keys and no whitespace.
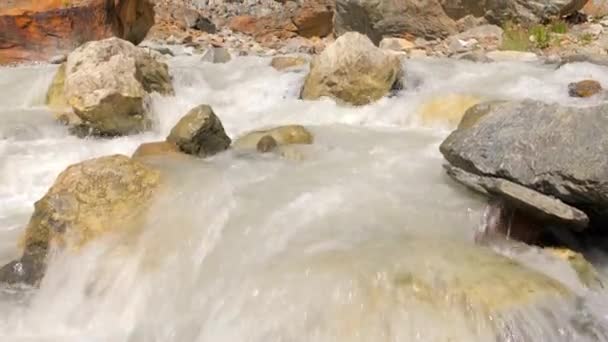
{"x":363,"y":239}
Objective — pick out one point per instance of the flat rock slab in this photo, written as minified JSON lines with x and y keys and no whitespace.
{"x":558,"y":151}
{"x":539,"y":206}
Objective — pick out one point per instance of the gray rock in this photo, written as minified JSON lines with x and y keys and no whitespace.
{"x":473,"y":56}
{"x":59,"y":59}
{"x":205,"y":25}
{"x":558,"y":151}
{"x":585,"y":58}
{"x":378,"y":18}
{"x":200,"y":133}
{"x":537,"y":205}
{"x":500,"y":11}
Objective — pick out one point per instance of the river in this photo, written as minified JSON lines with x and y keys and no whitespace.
{"x":259,"y":248}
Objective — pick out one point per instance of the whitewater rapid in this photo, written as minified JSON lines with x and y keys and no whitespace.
{"x":258,"y":248}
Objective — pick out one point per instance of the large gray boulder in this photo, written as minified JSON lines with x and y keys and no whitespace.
{"x":378,"y":18}
{"x":107,"y":83}
{"x":555,"y":150}
{"x":352,"y":70}
{"x":500,"y":11}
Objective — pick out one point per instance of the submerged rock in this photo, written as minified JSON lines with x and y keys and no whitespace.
{"x":106,"y":84}
{"x":554,"y":150}
{"x":216,"y":55}
{"x":352,"y":70}
{"x":449,"y":108}
{"x":88,"y":200}
{"x":158,"y":148}
{"x":281,"y":63}
{"x":200,"y":133}
{"x":512,"y":56}
{"x":587,"y":274}
{"x":586,"y":88}
{"x":282,"y":135}
{"x":378,"y":18}
{"x":266,"y":144}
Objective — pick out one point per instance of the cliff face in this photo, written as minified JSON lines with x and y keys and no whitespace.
{"x":32,"y":30}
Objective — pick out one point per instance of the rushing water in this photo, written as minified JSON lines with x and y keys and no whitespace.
{"x":335,"y":247}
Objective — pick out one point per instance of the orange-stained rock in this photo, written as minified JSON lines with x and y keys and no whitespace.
{"x":34,"y":30}
{"x":313,"y":19}
{"x":596,"y":8}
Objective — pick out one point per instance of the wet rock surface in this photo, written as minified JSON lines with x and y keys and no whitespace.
{"x":200,"y":133}
{"x":538,"y":146}
{"x":352,"y":70}
{"x":88,"y":200}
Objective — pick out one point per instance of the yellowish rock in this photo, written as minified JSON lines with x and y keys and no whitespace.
{"x":90,"y":199}
{"x":287,"y":62}
{"x":157,"y":148}
{"x":352,"y":70}
{"x":283,"y":135}
{"x":587,"y":274}
{"x":448,"y":109}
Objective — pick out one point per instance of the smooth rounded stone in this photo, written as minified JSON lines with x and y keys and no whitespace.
{"x":555,"y":150}
{"x":155,"y":149}
{"x":282,"y":135}
{"x":106,"y":84}
{"x":541,"y":207}
{"x":586,"y":272}
{"x":266,"y":144}
{"x":352,"y":70}
{"x":200,"y":133}
{"x":474,"y":113}
{"x":88,"y":200}
{"x":447,"y":109}
{"x":379,"y":18}
{"x":512,"y":56}
{"x":281,"y":63}
{"x":586,"y":88}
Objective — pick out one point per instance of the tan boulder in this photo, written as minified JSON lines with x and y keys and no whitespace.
{"x":106,"y":84}
{"x":352,"y":70}
{"x":88,"y":200}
